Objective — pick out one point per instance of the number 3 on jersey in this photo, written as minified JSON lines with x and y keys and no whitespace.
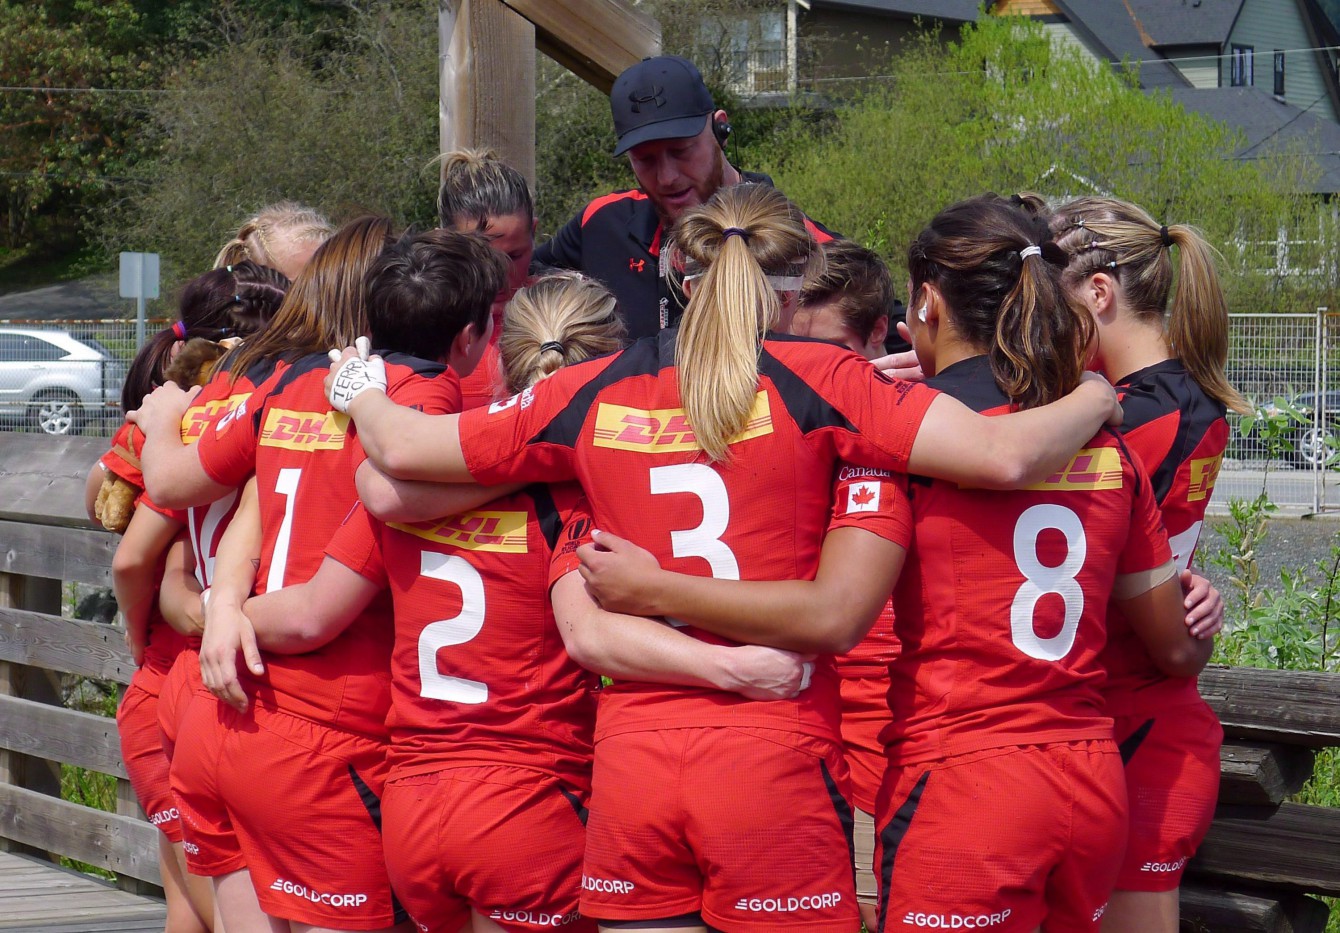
{"x":704,"y":541}
{"x":457,"y":630}
{"x":1040,"y":580}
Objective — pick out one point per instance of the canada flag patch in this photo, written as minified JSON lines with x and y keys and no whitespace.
{"x":863,"y":497}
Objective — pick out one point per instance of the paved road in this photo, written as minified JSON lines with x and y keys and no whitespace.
{"x":1293,"y":490}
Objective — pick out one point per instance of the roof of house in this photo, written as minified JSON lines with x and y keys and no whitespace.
{"x":1108,"y":26}
{"x":956,"y":11}
{"x":1185,"y":22}
{"x":1267,"y":122}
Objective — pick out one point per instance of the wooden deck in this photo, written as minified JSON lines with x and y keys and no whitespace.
{"x":37,"y":895}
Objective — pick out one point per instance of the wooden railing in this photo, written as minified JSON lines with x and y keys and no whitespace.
{"x":46,"y":541}
{"x":1263,"y":859}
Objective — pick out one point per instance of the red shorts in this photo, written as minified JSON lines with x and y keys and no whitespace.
{"x":749,"y":827}
{"x":179,"y":687}
{"x":1172,"y":781}
{"x":865,"y":711}
{"x":146,"y":764}
{"x":506,"y":842}
{"x":1004,"y":839}
{"x":304,"y":802}
{"x":208,"y":838}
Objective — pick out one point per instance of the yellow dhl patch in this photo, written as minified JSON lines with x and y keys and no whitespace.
{"x":196,"y":417}
{"x":666,"y":430}
{"x":1204,"y":472}
{"x":1093,"y":468}
{"x":502,"y":532}
{"x":304,"y":430}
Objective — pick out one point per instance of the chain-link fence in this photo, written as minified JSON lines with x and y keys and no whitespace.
{"x":1288,"y":366}
{"x":65,"y":376}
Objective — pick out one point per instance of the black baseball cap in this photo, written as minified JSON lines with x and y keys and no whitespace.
{"x":659,"y":98}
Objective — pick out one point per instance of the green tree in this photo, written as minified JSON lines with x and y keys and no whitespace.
{"x":61,"y":141}
{"x":1007,"y":109}
{"x":348,"y":125}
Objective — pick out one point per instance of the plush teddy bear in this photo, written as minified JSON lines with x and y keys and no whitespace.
{"x":123,"y":481}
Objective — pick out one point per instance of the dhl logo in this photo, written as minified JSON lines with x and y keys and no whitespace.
{"x":501,"y":532}
{"x":1091,"y":469}
{"x":666,"y":430}
{"x":197,"y":417}
{"x":304,"y":430}
{"x":1203,"y":475}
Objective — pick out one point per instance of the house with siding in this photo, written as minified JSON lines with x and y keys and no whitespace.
{"x":1266,"y":67}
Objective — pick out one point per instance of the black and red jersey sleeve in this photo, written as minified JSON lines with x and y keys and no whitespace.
{"x":576,"y":531}
{"x":531,"y":436}
{"x":838,"y":398}
{"x":1147,"y":542}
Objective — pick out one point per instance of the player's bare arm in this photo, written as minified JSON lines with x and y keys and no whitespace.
{"x":173,"y":475}
{"x":135,"y":572}
{"x":1158,"y":616}
{"x":831,"y":613}
{"x":227,"y":630}
{"x":179,"y":595}
{"x":398,"y":500}
{"x":635,"y":648}
{"x":1015,"y":450}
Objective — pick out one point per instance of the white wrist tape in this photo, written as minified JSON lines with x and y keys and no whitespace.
{"x":354,"y":378}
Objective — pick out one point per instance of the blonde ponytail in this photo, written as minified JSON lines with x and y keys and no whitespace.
{"x":737,"y":239}
{"x":559,"y":319}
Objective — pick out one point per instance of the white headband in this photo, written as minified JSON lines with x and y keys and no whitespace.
{"x":1030,"y":251}
{"x":780,"y":283}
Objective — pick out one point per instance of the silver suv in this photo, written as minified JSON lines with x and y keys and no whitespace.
{"x":54,"y":381}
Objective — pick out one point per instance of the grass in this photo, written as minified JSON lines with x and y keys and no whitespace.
{"x":80,"y":785}
{"x":22,"y":268}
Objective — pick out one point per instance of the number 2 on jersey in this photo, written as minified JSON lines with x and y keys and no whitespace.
{"x":457,"y":630}
{"x":1040,"y":580}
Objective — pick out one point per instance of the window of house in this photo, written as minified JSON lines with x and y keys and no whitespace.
{"x":752,"y":48}
{"x":1240,"y":70}
{"x":1279,"y":73}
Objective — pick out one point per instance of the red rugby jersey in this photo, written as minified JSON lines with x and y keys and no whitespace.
{"x":304,"y":458}
{"x":1001,"y":609}
{"x":1179,"y":433}
{"x":617,"y":425}
{"x":207,"y":523}
{"x":479,"y":674}
{"x":163,"y":642}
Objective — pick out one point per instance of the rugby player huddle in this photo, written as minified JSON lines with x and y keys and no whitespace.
{"x":457,"y":610}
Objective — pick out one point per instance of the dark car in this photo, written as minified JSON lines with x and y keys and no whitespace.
{"x":1315,"y":434}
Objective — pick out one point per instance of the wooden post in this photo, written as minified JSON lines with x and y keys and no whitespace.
{"x":486,"y":72}
{"x":31,"y":683}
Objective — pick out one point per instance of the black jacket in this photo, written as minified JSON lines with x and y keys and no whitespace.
{"x":617,"y":239}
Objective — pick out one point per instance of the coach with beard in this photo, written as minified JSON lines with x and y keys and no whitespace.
{"x":675,"y":138}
